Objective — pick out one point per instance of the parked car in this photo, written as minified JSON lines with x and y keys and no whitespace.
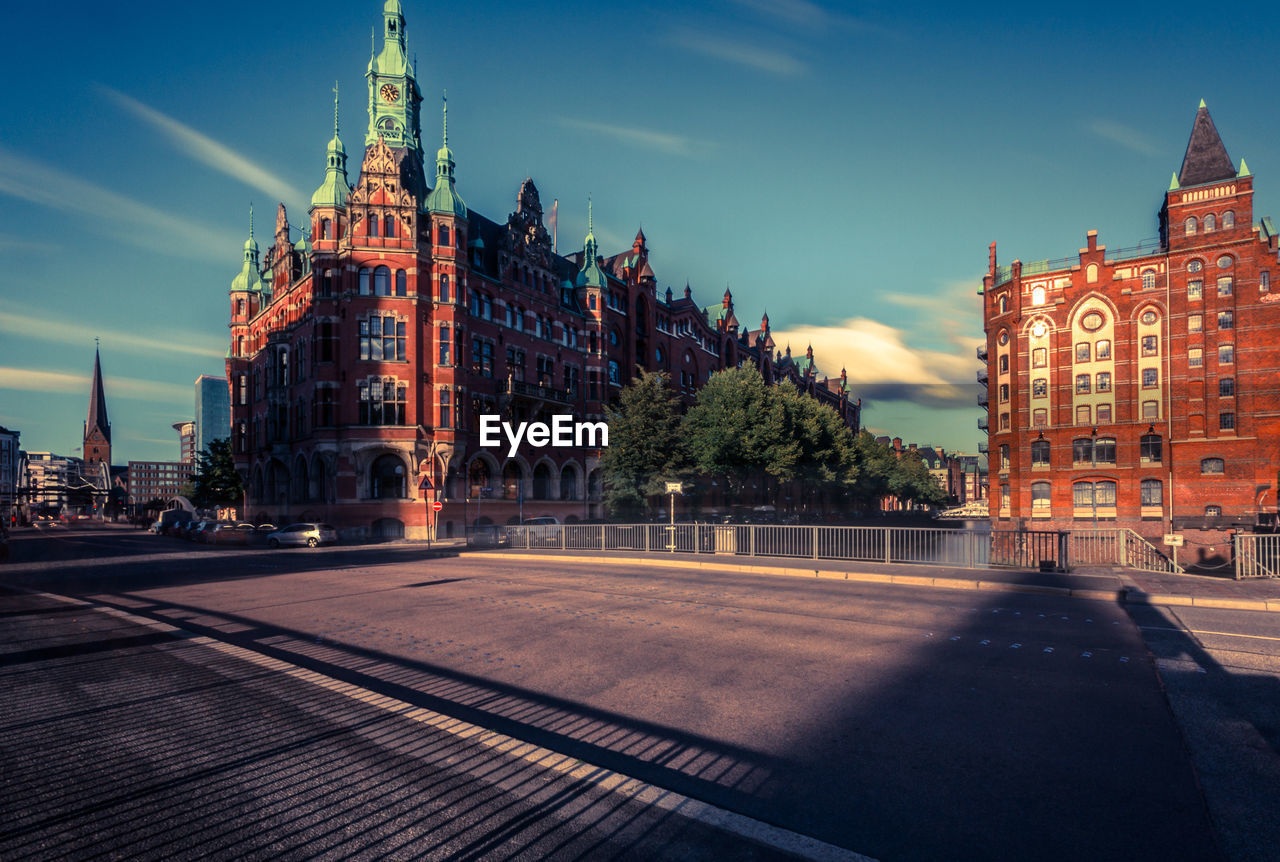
{"x":229,"y":533}
{"x":310,"y":535}
{"x":201,"y":532}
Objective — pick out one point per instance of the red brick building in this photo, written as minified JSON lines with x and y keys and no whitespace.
{"x":363,"y":357}
{"x":1141,"y":387}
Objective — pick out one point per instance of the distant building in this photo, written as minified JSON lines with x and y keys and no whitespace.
{"x":213,"y":411}
{"x":10,"y":464}
{"x":155,"y":480}
{"x":186,"y":440}
{"x":1136,"y":387}
{"x":49,"y":478}
{"x":97,"y":430}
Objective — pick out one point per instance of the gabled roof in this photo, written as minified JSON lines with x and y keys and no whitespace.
{"x":1206,"y":159}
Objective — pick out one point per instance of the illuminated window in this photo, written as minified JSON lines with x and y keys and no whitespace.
{"x":1195,"y":357}
{"x":1213,"y":511}
{"x":1039,"y":357}
{"x":1195,"y":322}
{"x":1082,"y":351}
{"x":1102,"y":349}
{"x":1195,"y":289}
{"x":1148,"y":279}
{"x":1040,"y":495}
{"x":1226,"y":354}
{"x":1037,"y":296}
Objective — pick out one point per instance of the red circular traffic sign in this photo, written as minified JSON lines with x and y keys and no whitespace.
{"x":437,"y":506}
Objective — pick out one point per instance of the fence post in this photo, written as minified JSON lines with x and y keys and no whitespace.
{"x":1122,"y":539}
{"x":1064,"y":551}
{"x":645,"y":528}
{"x":888,"y":556}
{"x":815,"y":543}
{"x":751,"y":541}
{"x":602,"y":547}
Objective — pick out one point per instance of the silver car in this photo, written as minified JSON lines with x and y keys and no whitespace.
{"x":303,"y":534}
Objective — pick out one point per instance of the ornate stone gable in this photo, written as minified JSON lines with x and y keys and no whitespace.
{"x":382,"y":186}
{"x":527,"y":237}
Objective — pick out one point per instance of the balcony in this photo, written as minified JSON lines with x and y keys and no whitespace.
{"x":983,"y":424}
{"x":982,"y":353}
{"x":983,"y":448}
{"x":983,"y":400}
{"x":531,"y":390}
{"x":982,"y":376}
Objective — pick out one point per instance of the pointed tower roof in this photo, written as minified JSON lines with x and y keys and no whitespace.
{"x":250,"y":277}
{"x":335,"y":188}
{"x":1206,"y":160}
{"x":97,"y":420}
{"x":590,"y":275}
{"x":444,"y":198}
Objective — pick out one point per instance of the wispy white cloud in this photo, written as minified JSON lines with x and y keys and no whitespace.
{"x":62,"y":382}
{"x":204,"y":149}
{"x":805,"y":15}
{"x":118,"y":216}
{"x":763,"y":58}
{"x":16,"y":244}
{"x":663,"y":142}
{"x":27,"y":324}
{"x":1125,"y":136}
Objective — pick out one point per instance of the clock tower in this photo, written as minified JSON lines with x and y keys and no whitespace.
{"x":394,"y":97}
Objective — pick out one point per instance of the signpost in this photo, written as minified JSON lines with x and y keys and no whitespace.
{"x":1175,"y":541}
{"x":673,"y":488}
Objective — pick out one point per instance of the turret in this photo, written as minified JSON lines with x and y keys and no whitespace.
{"x":328,"y":202}
{"x":444,"y":199}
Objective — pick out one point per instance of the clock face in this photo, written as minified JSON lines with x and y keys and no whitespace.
{"x":390,"y":92}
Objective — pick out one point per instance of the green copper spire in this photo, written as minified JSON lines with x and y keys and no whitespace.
{"x":590,"y":275}
{"x":249,"y":278}
{"x":394,"y":97}
{"x":1244,"y":170}
{"x":444,"y":199}
{"x":1173,"y":184}
{"x":335,"y":188}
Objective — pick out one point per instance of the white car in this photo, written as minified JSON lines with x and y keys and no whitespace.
{"x":310,"y":535}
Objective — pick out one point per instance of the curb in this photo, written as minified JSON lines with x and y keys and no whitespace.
{"x":1128,"y":595}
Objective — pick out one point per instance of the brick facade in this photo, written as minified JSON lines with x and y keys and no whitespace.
{"x":1138,"y":387}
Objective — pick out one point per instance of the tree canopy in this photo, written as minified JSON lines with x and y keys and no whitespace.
{"x":216,"y":482}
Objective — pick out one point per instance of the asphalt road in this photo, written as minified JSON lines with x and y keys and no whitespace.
{"x":900,"y":723}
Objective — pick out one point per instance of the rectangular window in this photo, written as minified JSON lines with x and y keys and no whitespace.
{"x":1226,"y":421}
{"x":1226,"y":354}
{"x":1224,"y":286}
{"x":1195,"y":289}
{"x":1104,"y":450}
{"x":1082,"y":495}
{"x":481,"y":357}
{"x":445,"y":398}
{"x":1226,"y":320}
{"x":1104,"y":494}
{"x":1104,"y":381}
{"x":1226,"y":387}
{"x":1264,"y":281}
{"x":1150,"y":410}
{"x":1150,"y":345}
{"x":1004,"y":457}
{"x":1195,"y":357}
{"x":1004,"y":417}
{"x":1040,"y":453}
{"x":444,"y":345}
{"x":1082,"y":384}
{"x":1039,"y":387}
{"x":1104,"y":413}
{"x":1040,"y":417}
{"x":1151,"y":449}
{"x":1152,"y":493}
{"x":1040,"y":495}
{"x":444,"y":288}
{"x":1004,"y":497}
{"x":1082,"y":351}
{"x":1150,"y":378}
{"x":1004,"y":392}
{"x":1102,"y":349}
{"x":1039,"y":357}
{"x":1195,"y":323}
{"x":1084,"y":415}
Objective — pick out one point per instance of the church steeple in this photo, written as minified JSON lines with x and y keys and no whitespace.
{"x":1206,"y":159}
{"x":444,"y":199}
{"x":97,"y":428}
{"x":335,"y":188}
{"x":394,"y":97}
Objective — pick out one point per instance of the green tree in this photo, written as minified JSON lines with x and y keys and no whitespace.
{"x":876,"y":464}
{"x":737,"y":428}
{"x":644,"y":449}
{"x":912,"y":481}
{"x":216,"y":482}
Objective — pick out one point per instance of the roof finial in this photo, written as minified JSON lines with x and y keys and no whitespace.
{"x":335,"y":109}
{"x":1202,"y":104}
{"x":96,"y":344}
{"x":589,"y":228}
{"x":250,"y":219}
{"x":445,"y":99}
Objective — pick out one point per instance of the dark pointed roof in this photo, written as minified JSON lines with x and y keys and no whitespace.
{"x":1206,"y":160}
{"x":97,"y":403}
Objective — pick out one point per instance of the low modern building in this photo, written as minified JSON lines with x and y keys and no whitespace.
{"x":10,"y":467}
{"x":156,"y":480}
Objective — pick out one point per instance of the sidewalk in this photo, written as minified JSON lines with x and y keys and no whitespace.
{"x":1123,"y":585}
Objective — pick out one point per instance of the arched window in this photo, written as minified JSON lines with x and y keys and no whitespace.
{"x":402,"y":283}
{"x":442,"y":235}
{"x":365,"y":287}
{"x":1228,"y":220}
{"x":1040,"y":453}
{"x":1037,"y":296}
{"x":1213,"y":511}
{"x":541,"y":482}
{"x":511,"y":477}
{"x":568,"y":483}
{"x":1148,"y":279}
{"x":1039,"y":496}
{"x":1004,"y":304}
{"x":1104,"y":450}
{"x":1191,"y":225}
{"x":1091,"y":273}
{"x":1212,"y":466}
{"x":325,"y":227}
{"x":1152,"y":493}
{"x":382,"y":281}
{"x":478,"y":480}
{"x":1210,"y":223}
{"x":373,"y":225}
{"x":389,"y":227}
{"x":386,"y":478}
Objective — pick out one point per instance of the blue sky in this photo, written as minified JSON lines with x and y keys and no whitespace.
{"x":843,"y":167}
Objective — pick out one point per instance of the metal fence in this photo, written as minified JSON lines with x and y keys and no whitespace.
{"x":1027,"y":549}
{"x":1257,"y":555}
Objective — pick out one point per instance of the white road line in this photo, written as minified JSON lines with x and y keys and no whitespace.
{"x":579,"y":770}
{"x":1205,"y":632}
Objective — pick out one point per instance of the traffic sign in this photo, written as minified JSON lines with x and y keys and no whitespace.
{"x":425,"y":484}
{"x":675,"y":487}
{"x":437,"y":506}
{"x":1174,"y":540}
